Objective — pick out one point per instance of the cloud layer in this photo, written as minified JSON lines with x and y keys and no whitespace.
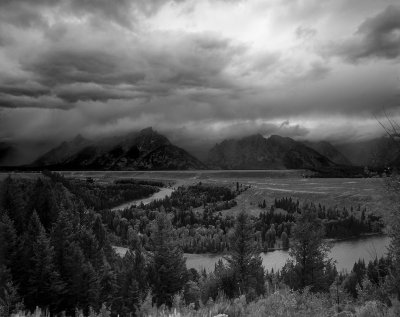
{"x":201,"y":70}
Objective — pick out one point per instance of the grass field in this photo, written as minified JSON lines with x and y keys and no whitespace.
{"x":370,"y":193}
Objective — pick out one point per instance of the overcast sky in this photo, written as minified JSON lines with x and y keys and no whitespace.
{"x":198,"y":69}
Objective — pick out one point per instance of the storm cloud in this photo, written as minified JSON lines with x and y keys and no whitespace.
{"x":376,"y":37}
{"x":199,"y":71}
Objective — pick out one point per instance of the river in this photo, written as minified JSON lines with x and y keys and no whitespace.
{"x":164,"y":191}
{"x":345,"y":253}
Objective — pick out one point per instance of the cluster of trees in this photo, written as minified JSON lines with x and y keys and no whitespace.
{"x":194,"y":196}
{"x":373,"y":274}
{"x":285,"y":203}
{"x":339,"y":223}
{"x":196,"y":238}
{"x":207,"y":231}
{"x":106,"y":195}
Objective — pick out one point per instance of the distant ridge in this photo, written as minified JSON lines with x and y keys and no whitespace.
{"x":377,"y":152}
{"x":257,"y":152}
{"x":145,"y":150}
{"x":331,"y":152}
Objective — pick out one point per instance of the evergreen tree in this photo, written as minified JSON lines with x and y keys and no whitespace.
{"x":9,"y":297}
{"x":108,"y":284}
{"x":25,"y":253}
{"x":44,"y":285}
{"x":309,"y":253}
{"x":43,"y":200}
{"x":132,"y":281}
{"x":8,"y":241}
{"x":168,"y":270}
{"x":285,"y":240}
{"x":12,"y":199}
{"x":83,"y":283}
{"x":244,"y":259}
{"x":62,"y":234}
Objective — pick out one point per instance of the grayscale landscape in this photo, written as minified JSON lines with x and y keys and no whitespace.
{"x":219,"y":158}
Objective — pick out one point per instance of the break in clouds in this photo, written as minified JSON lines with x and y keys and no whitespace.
{"x":202,"y":70}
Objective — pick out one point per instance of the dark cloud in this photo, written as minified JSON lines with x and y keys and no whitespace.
{"x":23,"y":101}
{"x":99,"y":73}
{"x":26,"y":13}
{"x":376,"y":37}
{"x":93,"y":92}
{"x":65,"y":66}
{"x":24,"y":89}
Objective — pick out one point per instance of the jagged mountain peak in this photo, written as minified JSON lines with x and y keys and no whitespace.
{"x":257,"y":152}
{"x":146,"y":149}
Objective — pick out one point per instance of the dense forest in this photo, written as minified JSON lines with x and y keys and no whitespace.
{"x":56,"y":253}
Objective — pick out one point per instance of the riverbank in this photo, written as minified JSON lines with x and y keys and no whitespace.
{"x":361,"y":236}
{"x":162,"y":193}
{"x":344,"y":253}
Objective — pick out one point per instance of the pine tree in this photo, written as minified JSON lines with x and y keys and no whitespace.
{"x":244,"y":259}
{"x":8,"y":241}
{"x":168,"y":270}
{"x":99,"y":231}
{"x":309,"y":252}
{"x":108,"y":284}
{"x":62,"y":234}
{"x":25,"y":253}
{"x":44,"y":286}
{"x":285,"y":240}
{"x":43,"y":200}
{"x":83,"y":283}
{"x":12,"y":199}
{"x":9,"y":297}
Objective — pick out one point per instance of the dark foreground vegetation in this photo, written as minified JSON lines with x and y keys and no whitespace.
{"x":56,"y":253}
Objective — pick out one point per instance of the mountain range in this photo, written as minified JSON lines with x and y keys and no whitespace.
{"x":150,"y":150}
{"x":145,"y":150}
{"x":257,"y":152}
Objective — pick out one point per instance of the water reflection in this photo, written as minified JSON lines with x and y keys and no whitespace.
{"x":345,"y":253}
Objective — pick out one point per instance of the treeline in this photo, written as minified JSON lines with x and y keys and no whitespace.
{"x":339,"y":223}
{"x":106,"y":195}
{"x":207,"y":231}
{"x":194,"y":231}
{"x":186,"y":197}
